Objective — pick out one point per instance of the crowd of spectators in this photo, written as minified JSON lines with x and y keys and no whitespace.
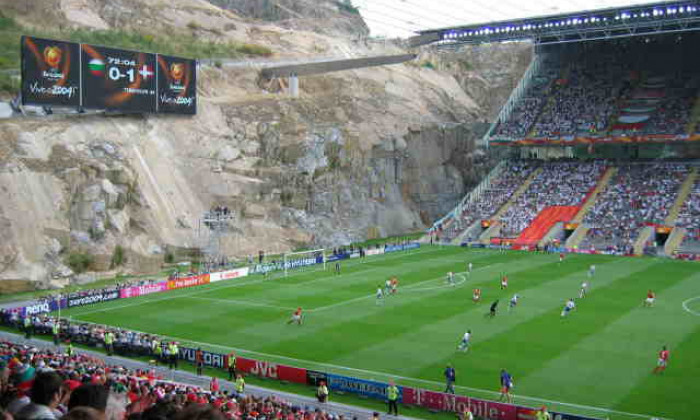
{"x":639,"y":194}
{"x":689,"y":218}
{"x":585,"y":90}
{"x":498,"y":193}
{"x":528,"y":108}
{"x":564,"y":183}
{"x":42,"y":384}
{"x":583,"y":102}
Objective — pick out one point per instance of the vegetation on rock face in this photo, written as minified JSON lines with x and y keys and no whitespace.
{"x":118,"y":256}
{"x":184,"y":45}
{"x":347,"y":6}
{"x":79,"y":262}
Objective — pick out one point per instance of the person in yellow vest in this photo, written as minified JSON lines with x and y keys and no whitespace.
{"x":467,"y":414}
{"x":157,"y":350}
{"x":109,"y":342}
{"x":173,"y":350}
{"x":27,"y":327}
{"x":231,"y":366}
{"x":322,"y":392}
{"x":56,"y":331}
{"x":392,"y":396}
{"x":239,"y":386}
{"x":543,"y":414}
{"x":69,"y":350}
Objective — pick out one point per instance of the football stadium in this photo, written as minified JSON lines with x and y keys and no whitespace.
{"x":325,"y":210}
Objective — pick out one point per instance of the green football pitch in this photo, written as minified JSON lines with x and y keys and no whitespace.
{"x":597,"y":361}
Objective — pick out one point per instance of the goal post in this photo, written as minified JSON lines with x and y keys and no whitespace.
{"x":303,"y":260}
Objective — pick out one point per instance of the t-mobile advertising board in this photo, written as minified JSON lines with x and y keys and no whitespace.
{"x":136,"y":291}
{"x":457,"y":403}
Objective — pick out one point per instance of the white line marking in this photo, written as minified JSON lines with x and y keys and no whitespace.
{"x":345,"y":302}
{"x":238,"y":302}
{"x":409,"y":288}
{"x":687,"y":309}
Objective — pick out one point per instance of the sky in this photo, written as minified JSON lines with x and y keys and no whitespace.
{"x":401,"y":18}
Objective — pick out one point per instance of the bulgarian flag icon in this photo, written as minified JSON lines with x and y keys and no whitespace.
{"x":97,"y":67}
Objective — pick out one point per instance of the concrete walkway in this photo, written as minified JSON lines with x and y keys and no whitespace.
{"x":309,"y":403}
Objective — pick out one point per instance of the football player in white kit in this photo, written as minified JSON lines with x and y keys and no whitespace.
{"x":570,"y":306}
{"x":464,"y":344}
{"x":584,"y":289}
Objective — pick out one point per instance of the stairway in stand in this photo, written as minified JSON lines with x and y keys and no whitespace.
{"x":675,"y":239}
{"x":544,"y":221}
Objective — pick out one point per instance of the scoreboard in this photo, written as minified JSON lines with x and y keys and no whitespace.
{"x":94,"y":77}
{"x":118,"y":80}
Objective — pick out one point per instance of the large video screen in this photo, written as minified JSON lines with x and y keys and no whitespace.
{"x":50,"y":72}
{"x":177,"y":85}
{"x":118,"y":80}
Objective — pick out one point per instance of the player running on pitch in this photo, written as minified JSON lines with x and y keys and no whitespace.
{"x":504,"y":281}
{"x":297,"y":317}
{"x":394,"y":285}
{"x":476,"y":296}
{"x":506,"y":385}
{"x":570,"y":306}
{"x":591,"y":271}
{"x":380,"y":295}
{"x":649,"y":301}
{"x":561,"y":257}
{"x":470,"y":266}
{"x":493,"y":309}
{"x":584,"y":289}
{"x":513,"y":302}
{"x":451,"y":278}
{"x":464,"y":343}
{"x":663,"y":360}
{"x":387,"y":287}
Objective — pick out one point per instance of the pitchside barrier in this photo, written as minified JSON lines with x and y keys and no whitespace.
{"x":408,"y":396}
{"x":130,"y":292}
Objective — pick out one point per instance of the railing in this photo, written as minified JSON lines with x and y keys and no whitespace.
{"x":517,"y":93}
{"x":472,"y":196}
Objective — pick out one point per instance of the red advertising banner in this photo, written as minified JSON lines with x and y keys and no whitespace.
{"x":457,"y":403}
{"x":188,"y":282}
{"x":271,"y":370}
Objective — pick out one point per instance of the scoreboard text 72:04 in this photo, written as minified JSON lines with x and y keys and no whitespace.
{"x":93,"y":77}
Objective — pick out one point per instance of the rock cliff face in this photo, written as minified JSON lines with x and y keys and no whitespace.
{"x":371,"y":151}
{"x":324,"y":16}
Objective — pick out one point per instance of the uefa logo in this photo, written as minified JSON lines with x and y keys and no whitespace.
{"x":53,"y":56}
